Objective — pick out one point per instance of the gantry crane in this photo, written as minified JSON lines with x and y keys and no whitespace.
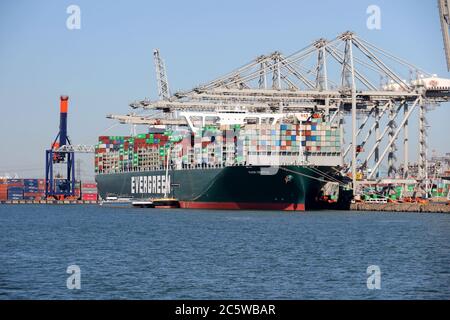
{"x":62,"y":152}
{"x":338,"y":77}
{"x":63,"y":187}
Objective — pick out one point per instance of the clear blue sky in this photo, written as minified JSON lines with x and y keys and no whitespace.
{"x":108,"y":63}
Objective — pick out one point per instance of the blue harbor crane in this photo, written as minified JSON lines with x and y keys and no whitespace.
{"x":62,"y":187}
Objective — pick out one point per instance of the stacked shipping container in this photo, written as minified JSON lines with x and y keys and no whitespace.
{"x":3,"y":190}
{"x":34,"y":189}
{"x":124,"y":153}
{"x":89,"y":191}
{"x":440,"y":189}
{"x":22,"y":189}
{"x":217,"y":146}
{"x":321,"y":137}
{"x":15,"y":189}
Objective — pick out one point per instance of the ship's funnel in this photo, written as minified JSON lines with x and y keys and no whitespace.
{"x":64,"y":103}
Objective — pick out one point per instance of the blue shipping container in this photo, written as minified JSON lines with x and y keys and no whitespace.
{"x":30,"y":189}
{"x":30,"y":180}
{"x":31,"y":183}
{"x":15,"y":180}
{"x":15,"y":189}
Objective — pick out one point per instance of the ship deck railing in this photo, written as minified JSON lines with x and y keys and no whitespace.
{"x":205,"y":166}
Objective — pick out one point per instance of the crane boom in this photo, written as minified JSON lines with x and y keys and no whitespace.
{"x":131,"y":119}
{"x":161,"y":76}
{"x":444,"y":16}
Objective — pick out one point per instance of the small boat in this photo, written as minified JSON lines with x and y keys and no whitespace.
{"x":114,"y":201}
{"x":142,"y":204}
{"x":166,"y":203}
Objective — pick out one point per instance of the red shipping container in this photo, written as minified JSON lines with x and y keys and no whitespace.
{"x":89,"y":194}
{"x":88,"y":185}
{"x":89,"y":197}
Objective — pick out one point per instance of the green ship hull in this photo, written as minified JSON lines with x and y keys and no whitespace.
{"x":295,"y":188}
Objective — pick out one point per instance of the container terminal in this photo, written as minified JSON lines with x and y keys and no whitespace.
{"x":60,"y":185}
{"x":289,"y":113}
{"x":272,"y":135}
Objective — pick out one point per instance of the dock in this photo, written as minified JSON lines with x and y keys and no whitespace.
{"x":58,"y":202}
{"x":402,"y":207}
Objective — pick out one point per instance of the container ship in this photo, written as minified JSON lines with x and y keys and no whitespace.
{"x":228,"y":164}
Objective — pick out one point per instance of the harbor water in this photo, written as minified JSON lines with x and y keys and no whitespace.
{"x":130,"y":253}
